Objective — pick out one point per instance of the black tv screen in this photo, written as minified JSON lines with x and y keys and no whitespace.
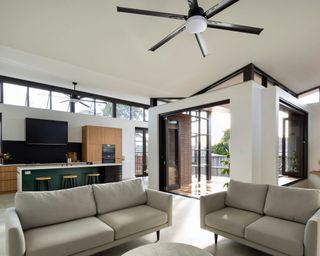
{"x":46,"y":132}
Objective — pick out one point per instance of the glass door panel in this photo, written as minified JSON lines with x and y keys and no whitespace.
{"x":292,"y":143}
{"x":172,"y":155}
{"x":141,"y":152}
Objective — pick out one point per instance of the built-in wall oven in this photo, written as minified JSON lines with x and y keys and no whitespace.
{"x":108,"y":153}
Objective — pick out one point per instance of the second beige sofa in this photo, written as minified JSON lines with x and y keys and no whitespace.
{"x":280,"y":221}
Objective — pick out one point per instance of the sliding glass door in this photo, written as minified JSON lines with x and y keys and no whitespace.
{"x":141,"y":152}
{"x":172,"y":155}
{"x":293,"y":142}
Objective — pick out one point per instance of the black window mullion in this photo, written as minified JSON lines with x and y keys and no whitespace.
{"x":1,"y":92}
{"x":94,"y":107}
{"x":114,"y":109}
{"x":130,"y":112}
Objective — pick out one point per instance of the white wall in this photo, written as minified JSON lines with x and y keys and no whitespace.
{"x":314,"y":144}
{"x":254,"y":130}
{"x":245,"y":111}
{"x":13,"y":128}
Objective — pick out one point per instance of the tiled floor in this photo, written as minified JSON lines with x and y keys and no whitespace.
{"x":282,"y":180}
{"x":185,"y":229}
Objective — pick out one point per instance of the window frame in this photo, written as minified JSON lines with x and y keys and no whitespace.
{"x":53,"y":88}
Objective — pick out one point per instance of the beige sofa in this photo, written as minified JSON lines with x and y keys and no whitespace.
{"x":276,"y":220}
{"x":84,"y":220}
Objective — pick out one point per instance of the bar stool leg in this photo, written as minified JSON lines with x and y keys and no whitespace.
{"x":49,"y":187}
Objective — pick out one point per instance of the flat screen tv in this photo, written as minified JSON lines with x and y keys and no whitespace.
{"x":46,"y":132}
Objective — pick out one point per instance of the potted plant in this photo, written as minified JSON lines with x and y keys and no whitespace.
{"x":4,"y":157}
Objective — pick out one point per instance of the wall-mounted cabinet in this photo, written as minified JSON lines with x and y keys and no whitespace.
{"x":93,"y":137}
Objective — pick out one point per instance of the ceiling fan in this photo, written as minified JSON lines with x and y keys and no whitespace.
{"x":74,"y":98}
{"x":196,"y":22}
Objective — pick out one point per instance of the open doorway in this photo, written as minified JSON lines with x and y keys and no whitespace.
{"x":141,"y":152}
{"x":292,"y":160}
{"x":194,"y":146}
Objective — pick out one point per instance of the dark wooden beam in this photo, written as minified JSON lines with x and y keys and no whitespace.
{"x":222,"y":80}
{"x":274,"y":81}
{"x":153,"y":102}
{"x":248,"y":72}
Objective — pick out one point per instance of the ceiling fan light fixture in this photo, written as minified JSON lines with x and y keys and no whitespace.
{"x":196,"y":24}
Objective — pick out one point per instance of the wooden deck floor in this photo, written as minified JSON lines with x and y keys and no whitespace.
{"x":197,"y":189}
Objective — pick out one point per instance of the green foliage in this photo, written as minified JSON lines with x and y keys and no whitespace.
{"x":107,"y":110}
{"x":223,"y":146}
{"x":226,"y":169}
{"x":123,"y":111}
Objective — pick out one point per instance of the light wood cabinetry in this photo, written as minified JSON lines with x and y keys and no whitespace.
{"x":92,"y":139}
{"x":8,"y":179}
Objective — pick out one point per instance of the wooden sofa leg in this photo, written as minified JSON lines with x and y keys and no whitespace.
{"x":215,"y":238}
{"x":158,"y":235}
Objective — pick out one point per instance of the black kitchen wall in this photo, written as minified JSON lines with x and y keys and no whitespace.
{"x":25,"y":153}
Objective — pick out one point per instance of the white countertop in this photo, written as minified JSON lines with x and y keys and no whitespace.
{"x":62,"y":166}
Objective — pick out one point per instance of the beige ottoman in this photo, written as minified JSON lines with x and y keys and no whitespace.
{"x":167,"y":249}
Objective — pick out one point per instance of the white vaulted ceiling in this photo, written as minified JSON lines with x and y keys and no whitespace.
{"x":107,"y":52}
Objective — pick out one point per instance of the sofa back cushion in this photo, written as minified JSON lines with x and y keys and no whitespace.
{"x":294,"y":204}
{"x":246,"y":196}
{"x":119,"y":195}
{"x":36,"y":209}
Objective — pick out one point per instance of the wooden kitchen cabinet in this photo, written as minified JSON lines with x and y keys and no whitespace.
{"x":92,"y":139}
{"x":8,"y":179}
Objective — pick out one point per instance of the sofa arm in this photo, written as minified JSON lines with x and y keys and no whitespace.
{"x":15,"y":243}
{"x":312,"y":235}
{"x":161,"y":201}
{"x":211,"y":203}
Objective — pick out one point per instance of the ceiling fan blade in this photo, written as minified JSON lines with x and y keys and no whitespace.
{"x":193,"y":4}
{"x":168,"y":38}
{"x":202,"y":44}
{"x":219,"y":7}
{"x":152,"y":13}
{"x":84,"y":104}
{"x":233,"y":27}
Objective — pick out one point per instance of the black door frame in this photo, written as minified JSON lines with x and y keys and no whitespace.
{"x":144,"y":151}
{"x":177,"y":148}
{"x":304,"y":165}
{"x":162,"y":138}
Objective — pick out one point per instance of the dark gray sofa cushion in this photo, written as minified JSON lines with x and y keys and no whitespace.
{"x":294,"y":204}
{"x":246,"y":196}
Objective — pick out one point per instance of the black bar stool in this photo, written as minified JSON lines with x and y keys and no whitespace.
{"x":93,"y":178}
{"x":69,"y":181}
{"x":46,"y":181}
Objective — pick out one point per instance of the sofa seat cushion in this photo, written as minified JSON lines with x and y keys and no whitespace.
{"x":132,"y":220}
{"x":231,"y":220}
{"x":278,"y":234}
{"x":68,"y":238}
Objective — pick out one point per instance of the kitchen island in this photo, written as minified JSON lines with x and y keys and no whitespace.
{"x":109,"y":172}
